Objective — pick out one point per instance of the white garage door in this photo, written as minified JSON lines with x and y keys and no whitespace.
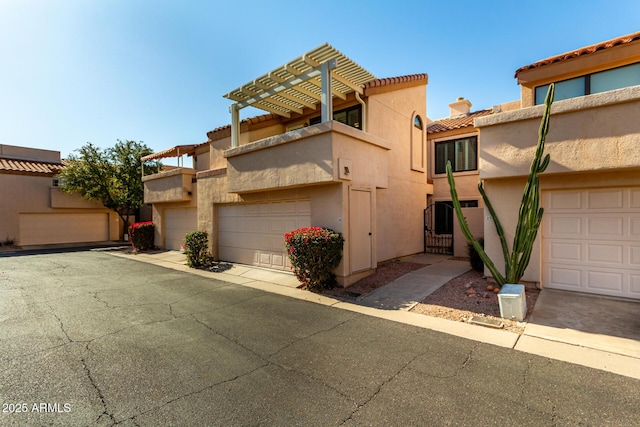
{"x":48,"y":228}
{"x":591,"y":241}
{"x":177,"y":223}
{"x":254,"y":233}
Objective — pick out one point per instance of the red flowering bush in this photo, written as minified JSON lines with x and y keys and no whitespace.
{"x":141,"y":234}
{"x":314,"y":253}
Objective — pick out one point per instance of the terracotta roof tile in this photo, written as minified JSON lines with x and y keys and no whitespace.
{"x":28,"y":167}
{"x":395,"y":80}
{"x":582,"y":51}
{"x":450,"y":123}
{"x":224,"y":131}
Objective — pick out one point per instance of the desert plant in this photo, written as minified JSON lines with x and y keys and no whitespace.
{"x":141,"y":234}
{"x":529,"y":217}
{"x":314,"y":253}
{"x":474,"y":257}
{"x":196,"y":248}
{"x":8,"y":241}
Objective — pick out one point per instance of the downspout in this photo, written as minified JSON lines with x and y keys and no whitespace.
{"x":364,"y":112}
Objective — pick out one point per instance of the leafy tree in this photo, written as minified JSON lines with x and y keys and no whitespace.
{"x":111,"y":176}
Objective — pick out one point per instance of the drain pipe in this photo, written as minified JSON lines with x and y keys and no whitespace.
{"x":364,"y":112}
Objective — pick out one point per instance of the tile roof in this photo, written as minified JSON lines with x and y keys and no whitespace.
{"x":395,"y":80}
{"x":459,"y":122}
{"x":582,"y":51}
{"x":224,"y":131}
{"x":29,"y":167}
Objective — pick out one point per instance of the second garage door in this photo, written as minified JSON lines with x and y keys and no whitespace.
{"x":178,"y":222}
{"x":47,"y":228}
{"x":254,"y":233}
{"x":591,"y":241}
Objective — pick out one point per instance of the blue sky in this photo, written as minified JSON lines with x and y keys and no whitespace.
{"x":78,"y":71}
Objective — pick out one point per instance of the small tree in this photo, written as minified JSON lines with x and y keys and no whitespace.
{"x":111,"y":176}
{"x":529,"y":217}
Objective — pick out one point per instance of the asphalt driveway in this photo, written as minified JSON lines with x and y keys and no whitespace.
{"x":90,"y":339}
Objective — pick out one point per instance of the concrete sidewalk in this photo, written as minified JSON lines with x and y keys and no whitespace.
{"x":546,"y":334}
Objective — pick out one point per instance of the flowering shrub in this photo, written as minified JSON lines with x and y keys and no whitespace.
{"x":314,"y":253}
{"x":196,"y":248}
{"x":141,"y":234}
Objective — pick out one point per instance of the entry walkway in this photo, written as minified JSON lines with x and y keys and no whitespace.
{"x":593,"y":331}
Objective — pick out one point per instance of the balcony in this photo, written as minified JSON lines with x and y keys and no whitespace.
{"x":173,"y":185}
{"x":329,"y":152}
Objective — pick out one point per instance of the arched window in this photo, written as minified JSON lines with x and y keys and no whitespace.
{"x":417,"y":122}
{"x":417,"y":150}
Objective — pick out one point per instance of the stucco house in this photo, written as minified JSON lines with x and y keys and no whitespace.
{"x":34,"y":211}
{"x":338,"y":148}
{"x":590,"y":236}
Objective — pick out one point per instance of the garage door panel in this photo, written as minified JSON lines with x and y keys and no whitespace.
{"x":257,"y":234}
{"x":605,"y":254}
{"x":52,"y":228}
{"x":566,"y":200}
{"x":602,"y":280}
{"x":564,"y":278}
{"x":634,"y":281}
{"x":605,"y":226}
{"x":592,"y":245}
{"x":177,"y":223}
{"x":634,"y":199}
{"x":634,"y":256}
{"x":564,"y":251}
{"x":565,"y":226}
{"x":605,"y":199}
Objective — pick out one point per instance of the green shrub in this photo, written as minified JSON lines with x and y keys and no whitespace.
{"x":141,"y":235}
{"x":474,"y":257}
{"x":314,"y":253}
{"x":196,"y":248}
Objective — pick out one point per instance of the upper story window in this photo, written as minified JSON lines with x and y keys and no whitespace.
{"x":602,"y":81}
{"x":417,"y":122}
{"x":461,"y":152}
{"x":351,"y":116}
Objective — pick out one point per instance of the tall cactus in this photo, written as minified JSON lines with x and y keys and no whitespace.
{"x":529,"y":217}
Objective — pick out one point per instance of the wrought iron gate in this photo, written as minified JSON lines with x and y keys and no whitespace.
{"x":438,"y":228}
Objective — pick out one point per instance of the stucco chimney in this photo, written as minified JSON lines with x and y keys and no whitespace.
{"x":461,"y":107}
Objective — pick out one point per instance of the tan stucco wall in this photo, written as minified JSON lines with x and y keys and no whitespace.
{"x":26,"y":153}
{"x":308,"y":156}
{"x":399,"y":207}
{"x":34,"y":194}
{"x":169,"y":186}
{"x":590,"y":133}
{"x":327,"y":208}
{"x":475,"y":220}
{"x":593,"y":142}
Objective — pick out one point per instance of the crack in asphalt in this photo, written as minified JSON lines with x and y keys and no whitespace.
{"x":99,"y":391}
{"x":193,"y":393}
{"x":268,"y":361}
{"x":380,"y":387}
{"x":64,"y":331}
{"x":216,"y":308}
